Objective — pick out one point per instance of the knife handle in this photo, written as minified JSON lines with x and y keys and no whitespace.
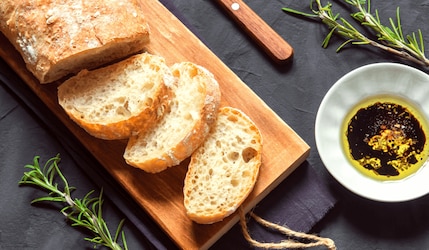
{"x":272,"y":43}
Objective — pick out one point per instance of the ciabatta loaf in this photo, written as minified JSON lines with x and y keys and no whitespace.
{"x":113,"y":101}
{"x":224,"y":170}
{"x":57,"y":37}
{"x":192,"y":111}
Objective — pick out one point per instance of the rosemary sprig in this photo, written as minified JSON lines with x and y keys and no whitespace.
{"x":390,"y":39}
{"x":85,"y":212}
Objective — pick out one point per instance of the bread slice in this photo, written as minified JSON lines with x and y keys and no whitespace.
{"x":112,"y":102}
{"x":56,"y":38}
{"x":223,"y":171}
{"x":192,"y":111}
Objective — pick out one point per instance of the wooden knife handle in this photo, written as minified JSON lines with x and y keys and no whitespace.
{"x":273,"y":44}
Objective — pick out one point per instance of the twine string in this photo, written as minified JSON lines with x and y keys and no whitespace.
{"x":315,"y":240}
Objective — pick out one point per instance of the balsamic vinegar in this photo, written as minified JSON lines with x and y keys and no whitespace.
{"x":385,"y":138}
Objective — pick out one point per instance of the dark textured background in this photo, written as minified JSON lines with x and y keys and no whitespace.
{"x":293,"y":91}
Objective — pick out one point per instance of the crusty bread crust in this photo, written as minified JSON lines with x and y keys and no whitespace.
{"x":56,"y":38}
{"x":193,"y":109}
{"x":224,"y":170}
{"x":114,"y":101}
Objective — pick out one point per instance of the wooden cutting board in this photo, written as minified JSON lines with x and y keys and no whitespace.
{"x":160,"y":195}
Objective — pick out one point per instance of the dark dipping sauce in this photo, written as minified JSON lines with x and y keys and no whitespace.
{"x":385,"y":140}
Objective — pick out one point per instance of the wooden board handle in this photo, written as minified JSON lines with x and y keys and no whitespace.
{"x":272,"y":43}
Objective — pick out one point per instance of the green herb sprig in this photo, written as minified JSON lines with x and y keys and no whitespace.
{"x":390,"y":39}
{"x":85,"y":212}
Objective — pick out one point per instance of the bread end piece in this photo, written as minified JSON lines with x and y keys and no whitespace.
{"x":224,"y":170}
{"x":192,"y":111}
{"x":114,"y":101}
{"x":59,"y":38}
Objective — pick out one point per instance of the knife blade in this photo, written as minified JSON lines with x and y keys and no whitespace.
{"x":270,"y":41}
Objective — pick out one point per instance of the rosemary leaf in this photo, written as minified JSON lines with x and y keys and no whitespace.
{"x":299,"y":12}
{"x":344,"y":44}
{"x":48,"y":198}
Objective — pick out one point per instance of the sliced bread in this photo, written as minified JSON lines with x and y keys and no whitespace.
{"x":192,"y":111}
{"x":56,"y":37}
{"x":113,"y":101}
{"x":224,"y":170}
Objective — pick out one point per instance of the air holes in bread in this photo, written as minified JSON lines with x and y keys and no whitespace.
{"x":122,"y":111}
{"x":245,"y":174}
{"x":232,"y":118}
{"x":233,"y":156}
{"x":194,"y":72}
{"x":248,"y":154}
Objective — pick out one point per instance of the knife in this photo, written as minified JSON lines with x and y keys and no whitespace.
{"x":272,"y":43}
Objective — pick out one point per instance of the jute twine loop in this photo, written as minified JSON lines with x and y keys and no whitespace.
{"x":315,"y":240}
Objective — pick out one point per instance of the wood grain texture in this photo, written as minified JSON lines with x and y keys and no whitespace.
{"x":160,"y":195}
{"x":272,"y":43}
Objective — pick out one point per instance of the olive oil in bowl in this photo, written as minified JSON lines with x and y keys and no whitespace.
{"x":385,"y":137}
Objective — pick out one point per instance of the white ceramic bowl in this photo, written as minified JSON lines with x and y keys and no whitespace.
{"x":374,"y":79}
